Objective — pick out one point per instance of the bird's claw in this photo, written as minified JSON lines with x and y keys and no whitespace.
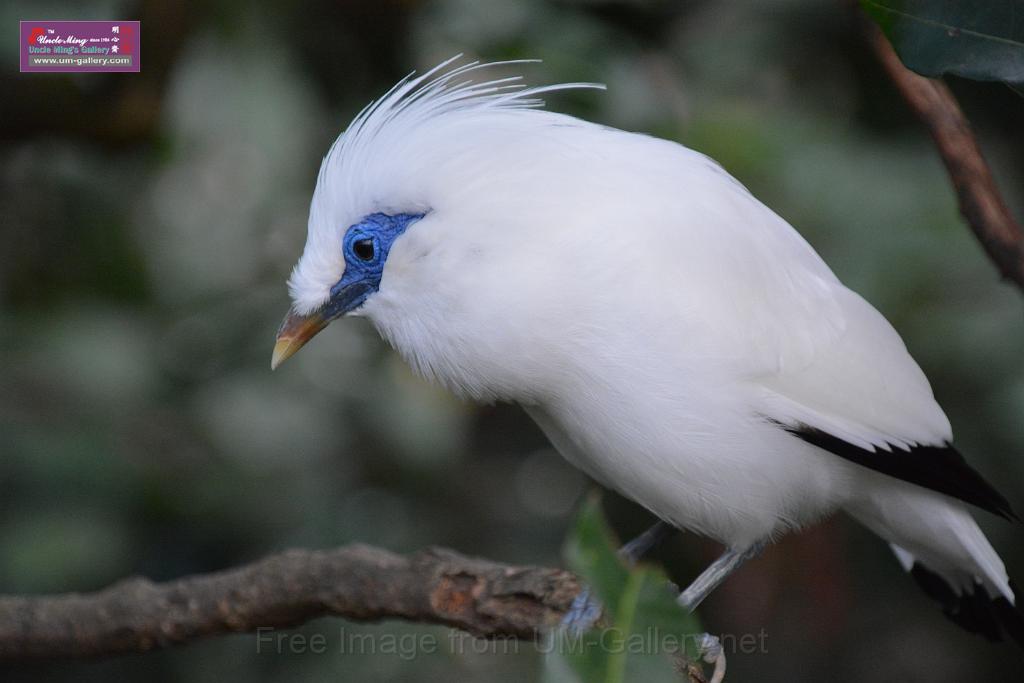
{"x":584,"y":612}
{"x":709,"y":649}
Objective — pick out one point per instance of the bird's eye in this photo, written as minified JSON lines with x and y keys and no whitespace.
{"x":363,"y":249}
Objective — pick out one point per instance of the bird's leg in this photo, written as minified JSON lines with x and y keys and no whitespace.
{"x":709,"y":646}
{"x":716,"y":573}
{"x":632,"y":551}
{"x":586,"y":609}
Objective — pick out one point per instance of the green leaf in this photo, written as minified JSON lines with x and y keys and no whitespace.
{"x":643,"y":631}
{"x":979,"y":40}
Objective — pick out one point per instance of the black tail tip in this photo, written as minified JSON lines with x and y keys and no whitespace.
{"x":996,"y":619}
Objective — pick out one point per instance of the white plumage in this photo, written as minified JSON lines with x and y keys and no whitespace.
{"x":662,"y":326}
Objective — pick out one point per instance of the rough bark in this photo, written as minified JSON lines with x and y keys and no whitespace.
{"x":357,"y":582}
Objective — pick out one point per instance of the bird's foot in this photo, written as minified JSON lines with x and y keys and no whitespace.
{"x":709,"y":648}
{"x":584,"y":612}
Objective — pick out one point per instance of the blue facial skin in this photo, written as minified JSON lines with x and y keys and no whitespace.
{"x":365,"y":245}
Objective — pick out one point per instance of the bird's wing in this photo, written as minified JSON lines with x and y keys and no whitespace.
{"x":815,"y":352}
{"x":830,"y":369}
{"x":854,"y":380}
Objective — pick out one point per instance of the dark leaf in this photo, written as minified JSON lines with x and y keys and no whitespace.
{"x":979,"y":40}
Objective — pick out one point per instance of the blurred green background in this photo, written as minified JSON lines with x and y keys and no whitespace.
{"x":148,"y":222}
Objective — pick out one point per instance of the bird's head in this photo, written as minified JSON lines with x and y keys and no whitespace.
{"x":362,"y":252}
{"x":417,"y":156}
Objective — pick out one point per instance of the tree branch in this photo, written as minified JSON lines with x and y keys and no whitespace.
{"x":980,"y":201}
{"x":357,"y":582}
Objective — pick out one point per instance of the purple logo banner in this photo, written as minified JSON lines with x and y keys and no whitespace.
{"x":79,"y":46}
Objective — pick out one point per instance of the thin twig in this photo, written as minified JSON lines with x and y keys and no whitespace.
{"x":980,"y":201}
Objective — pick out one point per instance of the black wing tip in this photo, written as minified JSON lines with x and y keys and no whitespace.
{"x":995,"y":619}
{"x":939,"y":468}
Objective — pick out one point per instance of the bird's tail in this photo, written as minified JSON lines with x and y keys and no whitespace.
{"x":971,"y":607}
{"x":941,"y":546}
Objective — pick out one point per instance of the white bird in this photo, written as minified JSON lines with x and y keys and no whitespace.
{"x":674,"y":338}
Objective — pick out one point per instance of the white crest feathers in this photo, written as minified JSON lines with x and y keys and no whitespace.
{"x":362,"y":172}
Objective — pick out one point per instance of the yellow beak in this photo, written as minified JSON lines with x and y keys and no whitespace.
{"x":293,"y":334}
